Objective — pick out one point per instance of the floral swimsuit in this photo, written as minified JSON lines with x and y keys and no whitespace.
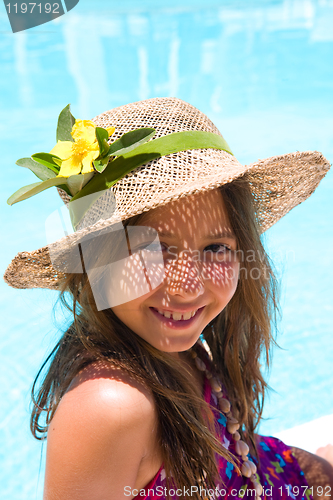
{"x":279,"y":472}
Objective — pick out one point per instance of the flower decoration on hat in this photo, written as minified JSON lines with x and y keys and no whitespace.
{"x":78,"y":156}
{"x":86,"y":161}
{"x":82,"y":151}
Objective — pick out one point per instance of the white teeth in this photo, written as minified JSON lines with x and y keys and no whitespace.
{"x":176,"y":316}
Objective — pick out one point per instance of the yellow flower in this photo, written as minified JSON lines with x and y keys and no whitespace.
{"x":78,"y":156}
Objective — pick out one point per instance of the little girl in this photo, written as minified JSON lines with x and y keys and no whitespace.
{"x":155,"y":390}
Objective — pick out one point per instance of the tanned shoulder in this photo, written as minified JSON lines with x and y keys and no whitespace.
{"x":98,"y":436}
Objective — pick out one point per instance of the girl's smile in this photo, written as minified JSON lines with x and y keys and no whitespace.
{"x":200,"y":273}
{"x":177,"y":319}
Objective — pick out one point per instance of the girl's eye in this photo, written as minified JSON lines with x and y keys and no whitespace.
{"x":217,"y":248}
{"x":168,"y":251}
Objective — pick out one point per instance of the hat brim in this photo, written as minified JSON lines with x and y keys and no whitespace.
{"x":278,"y":184}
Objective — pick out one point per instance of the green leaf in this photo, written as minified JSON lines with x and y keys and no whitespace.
{"x":168,"y":144}
{"x":131,"y":140}
{"x":102,"y":138}
{"x":32,"y":189}
{"x":57,"y":161}
{"x":76,"y":182}
{"x":100,"y":165}
{"x":48,"y":160}
{"x":41,"y":171}
{"x":65,"y":124}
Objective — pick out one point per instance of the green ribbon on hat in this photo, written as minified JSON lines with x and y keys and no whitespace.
{"x":166,"y":145}
{"x":152,"y":150}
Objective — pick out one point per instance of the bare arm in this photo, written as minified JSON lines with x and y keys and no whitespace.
{"x":98,"y":438}
{"x":318,"y":473}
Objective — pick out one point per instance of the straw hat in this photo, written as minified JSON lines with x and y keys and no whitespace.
{"x":278,"y":183}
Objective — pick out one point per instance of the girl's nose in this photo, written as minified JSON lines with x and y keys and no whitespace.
{"x":183,"y":277}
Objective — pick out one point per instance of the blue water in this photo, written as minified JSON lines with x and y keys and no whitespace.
{"x":262,"y":71}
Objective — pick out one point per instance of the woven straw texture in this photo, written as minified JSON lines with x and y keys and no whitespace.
{"x":278,"y":183}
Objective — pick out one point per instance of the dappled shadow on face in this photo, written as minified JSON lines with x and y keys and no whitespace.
{"x":180,"y":248}
{"x":122,"y":265}
{"x":198,"y":244}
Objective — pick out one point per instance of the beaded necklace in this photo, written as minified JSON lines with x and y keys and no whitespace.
{"x":248,"y":468}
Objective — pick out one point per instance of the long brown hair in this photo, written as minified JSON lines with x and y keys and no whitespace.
{"x":236,"y":339}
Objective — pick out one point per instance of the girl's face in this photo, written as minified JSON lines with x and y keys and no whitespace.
{"x":200,"y":273}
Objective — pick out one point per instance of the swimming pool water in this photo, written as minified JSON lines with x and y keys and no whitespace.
{"x":261,"y":70}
